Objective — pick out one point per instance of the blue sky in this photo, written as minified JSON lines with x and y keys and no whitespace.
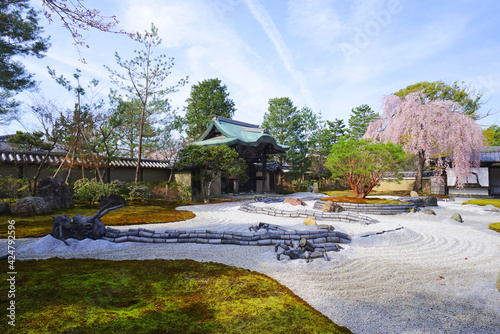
{"x":329,"y":55}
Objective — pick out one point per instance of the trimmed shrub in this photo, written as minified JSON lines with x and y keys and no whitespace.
{"x":92,"y":191}
{"x":139,"y":192}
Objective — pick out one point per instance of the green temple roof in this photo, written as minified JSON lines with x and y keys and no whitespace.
{"x":225,"y":131}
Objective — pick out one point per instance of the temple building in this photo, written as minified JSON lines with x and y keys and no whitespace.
{"x":254,"y":144}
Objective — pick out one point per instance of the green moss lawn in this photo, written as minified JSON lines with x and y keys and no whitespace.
{"x":487,"y":201}
{"x":136,"y":213}
{"x":154,"y":296}
{"x":484,"y":201}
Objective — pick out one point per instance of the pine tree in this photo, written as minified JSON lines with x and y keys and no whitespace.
{"x":20,"y":36}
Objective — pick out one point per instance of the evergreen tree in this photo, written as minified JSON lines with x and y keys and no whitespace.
{"x":469,"y":102}
{"x":213,"y":161}
{"x":492,"y":135}
{"x":284,"y":123}
{"x":327,"y":133}
{"x":360,"y":118}
{"x":362,"y":163}
{"x":20,"y":35}
{"x":208,"y":98}
{"x":143,"y":79}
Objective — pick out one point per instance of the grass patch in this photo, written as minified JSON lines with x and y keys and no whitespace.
{"x":154,"y":296}
{"x":495,"y":227}
{"x":484,"y":201}
{"x":136,"y":213}
{"x":353,"y":199}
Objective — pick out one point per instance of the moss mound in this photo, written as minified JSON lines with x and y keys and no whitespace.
{"x":351,"y":199}
{"x":484,"y":201}
{"x":136,"y":213}
{"x":495,"y":227}
{"x":154,"y":296}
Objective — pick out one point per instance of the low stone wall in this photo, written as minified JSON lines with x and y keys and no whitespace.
{"x":348,"y":217}
{"x":324,"y":239}
{"x":371,"y":209}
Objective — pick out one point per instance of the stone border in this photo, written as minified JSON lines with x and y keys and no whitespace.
{"x":271,"y":236}
{"x":371,"y":209}
{"x":347,"y":217}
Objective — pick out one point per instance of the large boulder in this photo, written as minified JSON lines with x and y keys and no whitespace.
{"x":294,"y":201}
{"x":332,"y":207}
{"x":30,"y":206}
{"x":421,"y":201}
{"x":56,"y":193}
{"x":112,"y":201}
{"x":4,"y":208}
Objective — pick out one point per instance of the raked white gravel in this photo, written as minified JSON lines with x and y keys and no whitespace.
{"x":434,"y":275}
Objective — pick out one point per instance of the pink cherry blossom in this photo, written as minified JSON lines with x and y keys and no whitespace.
{"x":430,"y":129}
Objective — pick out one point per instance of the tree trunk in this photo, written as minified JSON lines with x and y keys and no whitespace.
{"x":206,"y":200}
{"x":167,"y":187}
{"x":139,"y":155}
{"x":420,"y":172}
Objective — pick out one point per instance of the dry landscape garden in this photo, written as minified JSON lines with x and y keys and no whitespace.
{"x":125,"y":215}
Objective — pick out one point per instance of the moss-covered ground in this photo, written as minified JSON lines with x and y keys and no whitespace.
{"x":487,"y":201}
{"x":153,"y":296}
{"x":484,"y":201}
{"x":353,"y":199}
{"x":494,"y":227}
{"x":136,"y":213}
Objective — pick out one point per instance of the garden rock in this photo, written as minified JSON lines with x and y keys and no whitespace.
{"x":111,"y":201}
{"x":326,"y":227}
{"x":429,"y":212}
{"x":456,"y":216}
{"x":56,"y":193}
{"x":421,"y":201}
{"x":4,"y":207}
{"x":413,"y":193}
{"x":430,"y":201}
{"x":30,"y":206}
{"x":315,"y":188}
{"x":294,"y":201}
{"x":79,"y":227}
{"x":309,"y":222}
{"x":332,"y":207}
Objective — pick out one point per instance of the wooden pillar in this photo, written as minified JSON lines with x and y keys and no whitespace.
{"x":264,"y":173}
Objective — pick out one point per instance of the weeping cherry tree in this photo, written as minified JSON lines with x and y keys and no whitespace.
{"x":430,"y":129}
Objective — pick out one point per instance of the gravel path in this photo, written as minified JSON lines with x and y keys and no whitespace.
{"x":433,"y":275}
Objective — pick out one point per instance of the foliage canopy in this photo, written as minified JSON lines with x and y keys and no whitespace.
{"x":469,"y":102}
{"x":362,"y":163}
{"x":212,"y":161}
{"x":208,"y":98}
{"x":359,"y":120}
{"x":20,"y":35}
{"x":143,"y":78}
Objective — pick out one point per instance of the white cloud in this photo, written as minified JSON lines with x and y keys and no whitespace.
{"x":317,"y":22}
